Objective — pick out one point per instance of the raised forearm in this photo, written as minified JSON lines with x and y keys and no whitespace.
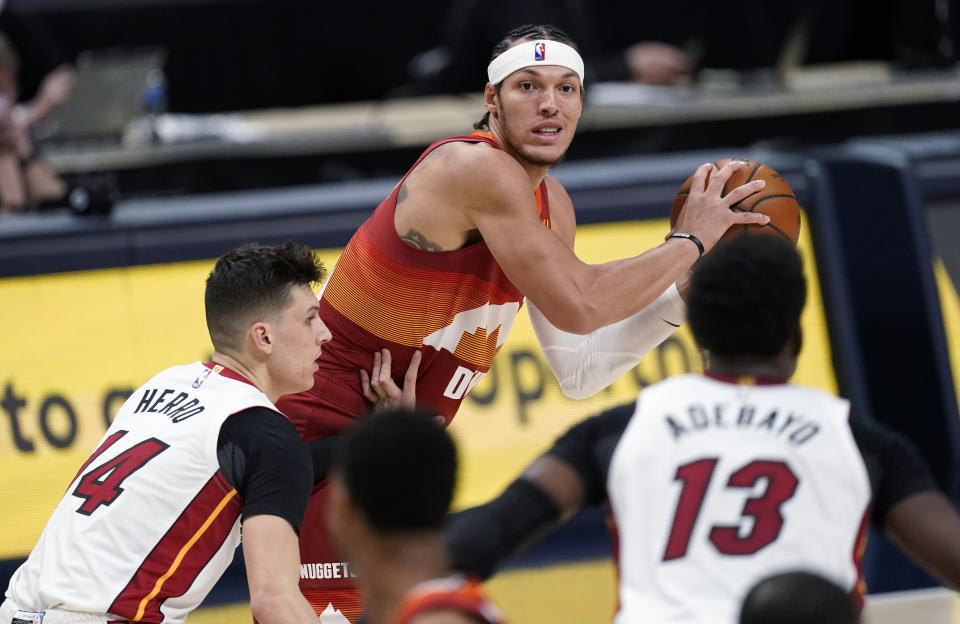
{"x":602,"y":294}
{"x":586,"y":364}
{"x":481,"y":537}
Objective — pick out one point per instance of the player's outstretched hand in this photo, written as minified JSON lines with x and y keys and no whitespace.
{"x":707,"y":213}
{"x":379,"y":387}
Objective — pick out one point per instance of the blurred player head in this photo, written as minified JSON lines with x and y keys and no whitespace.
{"x":745,"y":300}
{"x":262,"y":312}
{"x":394,"y":475}
{"x":534,"y":109}
{"x":798,"y":598}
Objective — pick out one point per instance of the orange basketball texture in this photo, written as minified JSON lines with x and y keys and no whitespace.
{"x":776,"y":200}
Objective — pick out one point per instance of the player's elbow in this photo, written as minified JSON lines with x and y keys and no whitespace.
{"x":575,"y":317}
{"x":264,"y":603}
{"x":575,"y":390}
{"x":270,"y":602}
{"x":573,"y":375}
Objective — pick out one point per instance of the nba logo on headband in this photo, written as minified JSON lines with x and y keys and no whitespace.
{"x":540,"y":51}
{"x":518,"y":57}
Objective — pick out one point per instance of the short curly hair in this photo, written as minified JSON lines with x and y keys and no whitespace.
{"x":399,"y":468}
{"x":746,"y":296}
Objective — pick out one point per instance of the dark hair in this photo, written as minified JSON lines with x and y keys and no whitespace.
{"x":527,"y":32}
{"x":251,"y":282}
{"x":746,"y":296}
{"x":399,"y":468}
{"x":798,"y":598}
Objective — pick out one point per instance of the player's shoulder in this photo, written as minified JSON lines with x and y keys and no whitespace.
{"x":668,"y":386}
{"x":611,"y":421}
{"x":262,"y":427}
{"x":822,"y":401}
{"x":817,"y":393}
{"x":475,"y":163}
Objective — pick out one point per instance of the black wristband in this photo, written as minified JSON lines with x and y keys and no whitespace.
{"x":689,"y":237}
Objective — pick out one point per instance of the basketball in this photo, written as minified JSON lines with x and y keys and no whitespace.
{"x":776,"y":200}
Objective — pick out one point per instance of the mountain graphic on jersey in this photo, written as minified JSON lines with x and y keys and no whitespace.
{"x":462,"y":313}
{"x":469,"y":337}
{"x":332,"y":615}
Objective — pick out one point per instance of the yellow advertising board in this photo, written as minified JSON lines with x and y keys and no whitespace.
{"x":950,"y":308}
{"x":78,"y":343}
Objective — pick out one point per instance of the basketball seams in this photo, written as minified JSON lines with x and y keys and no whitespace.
{"x":753,"y":172}
{"x":766,"y":197}
{"x":777,"y":187}
{"x":779,"y":231}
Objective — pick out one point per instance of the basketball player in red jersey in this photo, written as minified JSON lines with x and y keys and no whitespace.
{"x":392,"y":486}
{"x":446,"y":261}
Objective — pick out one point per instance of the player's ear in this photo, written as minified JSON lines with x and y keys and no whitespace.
{"x":261,"y":337}
{"x":490,"y":99}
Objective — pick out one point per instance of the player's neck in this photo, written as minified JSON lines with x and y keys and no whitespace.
{"x":389,"y":567}
{"x":776,"y":368}
{"x":254,"y":374}
{"x":536,"y":172}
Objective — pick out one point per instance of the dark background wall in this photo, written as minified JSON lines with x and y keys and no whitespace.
{"x":242,"y":54}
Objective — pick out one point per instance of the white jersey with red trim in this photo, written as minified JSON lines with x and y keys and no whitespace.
{"x":149,"y":523}
{"x":716,"y":484}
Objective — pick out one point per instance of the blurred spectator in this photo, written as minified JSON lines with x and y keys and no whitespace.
{"x":40,"y":50}
{"x":665,"y":43}
{"x":472,"y":27}
{"x":24,"y":178}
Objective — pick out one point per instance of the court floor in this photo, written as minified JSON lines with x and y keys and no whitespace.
{"x":585,"y":593}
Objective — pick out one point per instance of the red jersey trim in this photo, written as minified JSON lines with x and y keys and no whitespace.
{"x":468,"y":598}
{"x":859,"y":590}
{"x":614,"y":531}
{"x":229,"y":373}
{"x":177,"y":559}
{"x":745,"y":380}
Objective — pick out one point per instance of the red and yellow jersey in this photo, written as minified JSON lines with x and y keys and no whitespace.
{"x":454,"y":593}
{"x":457,"y":307}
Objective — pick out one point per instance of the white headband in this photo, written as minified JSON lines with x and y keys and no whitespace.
{"x":530,"y":53}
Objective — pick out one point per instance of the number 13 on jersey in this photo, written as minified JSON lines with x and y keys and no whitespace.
{"x":764,"y":509}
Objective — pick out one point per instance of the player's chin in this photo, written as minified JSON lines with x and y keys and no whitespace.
{"x":545,"y":155}
{"x":305,"y":382}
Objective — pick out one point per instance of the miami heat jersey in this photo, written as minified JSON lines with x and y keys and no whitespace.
{"x":150,"y":522}
{"x":453,"y":593}
{"x":457,"y":307}
{"x":714,"y":485}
